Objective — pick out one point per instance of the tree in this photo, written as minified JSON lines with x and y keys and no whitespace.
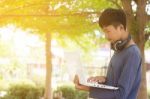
{"x":43,"y":17}
{"x":71,"y":18}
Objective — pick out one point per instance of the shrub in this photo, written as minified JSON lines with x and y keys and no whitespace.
{"x":69,"y":92}
{"x":81,"y":94}
{"x":24,"y":90}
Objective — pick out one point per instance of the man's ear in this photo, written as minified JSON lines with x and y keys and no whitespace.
{"x":121,"y":27}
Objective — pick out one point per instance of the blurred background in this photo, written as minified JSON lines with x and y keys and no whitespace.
{"x":38,"y":37}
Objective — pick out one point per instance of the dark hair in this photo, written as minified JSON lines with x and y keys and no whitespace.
{"x":113,"y":17}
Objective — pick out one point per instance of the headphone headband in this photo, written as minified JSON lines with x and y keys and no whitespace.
{"x":120,"y":44}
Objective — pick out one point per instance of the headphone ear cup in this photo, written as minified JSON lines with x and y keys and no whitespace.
{"x":118,"y":45}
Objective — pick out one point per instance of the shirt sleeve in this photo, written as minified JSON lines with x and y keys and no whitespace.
{"x":125,"y":82}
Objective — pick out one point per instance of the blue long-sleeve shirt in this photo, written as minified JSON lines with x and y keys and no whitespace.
{"x":124,"y":72}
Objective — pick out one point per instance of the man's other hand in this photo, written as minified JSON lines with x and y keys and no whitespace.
{"x":78,"y":85}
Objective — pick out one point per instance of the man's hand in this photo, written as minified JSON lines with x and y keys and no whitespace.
{"x":98,"y":79}
{"x":78,"y":85}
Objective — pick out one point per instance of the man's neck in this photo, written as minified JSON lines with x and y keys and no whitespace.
{"x":131,"y":42}
{"x":125,"y":35}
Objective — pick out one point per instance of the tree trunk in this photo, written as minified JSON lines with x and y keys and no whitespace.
{"x":48,"y":88}
{"x":136,"y":25}
{"x":141,"y":21}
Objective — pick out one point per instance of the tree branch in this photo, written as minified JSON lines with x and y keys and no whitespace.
{"x":141,"y":5}
{"x":148,"y":16}
{"x":141,"y":13}
{"x":53,"y":14}
{"x":127,"y":7}
{"x":116,"y":3}
{"x":135,"y":1}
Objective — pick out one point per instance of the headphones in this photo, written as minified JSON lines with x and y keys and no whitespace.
{"x":119,"y":45}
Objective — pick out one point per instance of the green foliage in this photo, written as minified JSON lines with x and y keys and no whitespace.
{"x":81,"y":94}
{"x":24,"y":90}
{"x":147,"y":45}
{"x":147,"y":31}
{"x":69,"y":92}
{"x":67,"y":17}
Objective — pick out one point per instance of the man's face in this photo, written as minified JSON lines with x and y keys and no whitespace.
{"x":112,"y":33}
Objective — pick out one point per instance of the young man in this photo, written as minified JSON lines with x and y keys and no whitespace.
{"x":125,"y":65}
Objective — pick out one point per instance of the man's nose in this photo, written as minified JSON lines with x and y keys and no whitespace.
{"x":106,"y":36}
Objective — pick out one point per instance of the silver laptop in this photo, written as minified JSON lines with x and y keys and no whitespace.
{"x":101,"y":86}
{"x":82,"y":74}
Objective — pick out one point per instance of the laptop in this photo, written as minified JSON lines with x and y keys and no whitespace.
{"x":101,"y":86}
{"x":83,"y":81}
